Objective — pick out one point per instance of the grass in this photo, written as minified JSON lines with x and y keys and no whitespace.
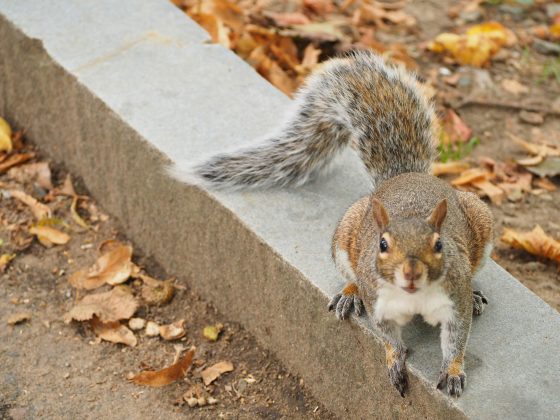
{"x":458,"y":150}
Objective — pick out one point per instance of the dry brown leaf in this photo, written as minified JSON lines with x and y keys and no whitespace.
{"x":514,"y":87}
{"x":173,"y":331}
{"x":535,"y":242}
{"x":167,"y":375}
{"x":471,"y":175}
{"x":67,"y":188}
{"x":113,"y":332}
{"x":110,"y":306}
{"x":113,"y":267}
{"x":545,"y":184}
{"x":287,"y":19}
{"x":212,"y":373}
{"x":39,"y":210}
{"x":49,"y":236}
{"x":14,"y":160}
{"x":18,"y":318}
{"x":33,"y":172}
{"x":449,"y":168}
{"x":495,"y":194}
{"x":218,"y":31}
{"x":531,"y":161}
{"x":5,"y":261}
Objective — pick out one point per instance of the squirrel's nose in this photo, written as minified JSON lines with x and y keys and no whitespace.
{"x":413,"y":269}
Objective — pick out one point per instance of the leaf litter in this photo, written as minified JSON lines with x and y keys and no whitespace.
{"x":167,"y":375}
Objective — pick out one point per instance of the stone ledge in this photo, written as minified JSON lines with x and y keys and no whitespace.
{"x":150,"y":91}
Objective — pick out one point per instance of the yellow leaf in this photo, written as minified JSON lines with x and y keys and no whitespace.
{"x":5,"y":136}
{"x":5,"y":260}
{"x":211,"y":332}
{"x":535,"y":242}
{"x":477,"y":46}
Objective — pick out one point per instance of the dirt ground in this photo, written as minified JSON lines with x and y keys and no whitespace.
{"x":49,"y":369}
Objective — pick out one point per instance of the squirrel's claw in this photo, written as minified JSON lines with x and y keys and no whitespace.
{"x":479,"y":302}
{"x":344,"y":305}
{"x":454,"y":384}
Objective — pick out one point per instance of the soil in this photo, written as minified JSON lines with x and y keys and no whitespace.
{"x":50,"y":369}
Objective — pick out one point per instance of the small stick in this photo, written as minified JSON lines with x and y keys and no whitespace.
{"x":507,"y":105}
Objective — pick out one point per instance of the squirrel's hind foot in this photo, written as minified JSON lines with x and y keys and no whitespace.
{"x":479,"y":302}
{"x":346,"y":302}
{"x":454,"y":384}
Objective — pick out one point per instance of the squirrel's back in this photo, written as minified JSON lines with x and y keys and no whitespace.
{"x":360,"y":100}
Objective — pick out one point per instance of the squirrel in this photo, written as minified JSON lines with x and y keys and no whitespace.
{"x":413,"y":246}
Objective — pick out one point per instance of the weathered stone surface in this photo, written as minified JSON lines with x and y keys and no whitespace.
{"x":118,"y":111}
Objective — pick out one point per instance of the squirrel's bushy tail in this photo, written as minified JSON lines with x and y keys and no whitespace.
{"x":380,"y":110}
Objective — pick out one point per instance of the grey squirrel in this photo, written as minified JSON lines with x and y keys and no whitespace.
{"x":414,"y":245}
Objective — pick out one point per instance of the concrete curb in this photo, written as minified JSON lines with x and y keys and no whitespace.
{"x":116,"y":109}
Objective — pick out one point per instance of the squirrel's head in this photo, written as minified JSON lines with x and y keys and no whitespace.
{"x":410,"y":250}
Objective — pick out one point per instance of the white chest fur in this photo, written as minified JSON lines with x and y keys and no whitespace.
{"x":395,"y":304}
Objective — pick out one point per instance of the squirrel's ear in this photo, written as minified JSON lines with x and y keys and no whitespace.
{"x":379,"y":214}
{"x":438,"y":214}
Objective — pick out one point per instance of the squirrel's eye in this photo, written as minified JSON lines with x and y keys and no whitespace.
{"x":383,"y":245}
{"x":438,"y":246}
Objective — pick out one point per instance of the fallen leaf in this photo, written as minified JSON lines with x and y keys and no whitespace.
{"x":5,"y":261}
{"x":14,"y":160}
{"x":549,"y":167}
{"x":67,"y":188}
{"x":211,"y":332}
{"x":110,"y":306}
{"x":113,"y":267}
{"x":49,"y":236}
{"x":167,"y":375}
{"x":449,"y":168}
{"x":212,"y":373}
{"x":477,"y":46}
{"x":113,"y":332}
{"x":471,"y":175}
{"x":39,"y":173}
{"x":545,"y":184}
{"x":494,"y":193}
{"x":535,"y":242}
{"x":454,"y":129}
{"x":173,"y":331}
{"x":39,"y":210}
{"x":514,"y":87}
{"x":531,"y":161}
{"x":19,"y":317}
{"x":287,"y":19}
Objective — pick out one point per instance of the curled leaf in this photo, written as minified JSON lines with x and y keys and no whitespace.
{"x":14,"y":160}
{"x":49,"y":236}
{"x":535,"y":242}
{"x":449,"y":168}
{"x":113,"y":267}
{"x":212,"y":373}
{"x":113,"y":332}
{"x":167,"y":375}
{"x":173,"y":331}
{"x":110,"y":306}
{"x":77,"y":218}
{"x":18,"y":318}
{"x":471,"y":175}
{"x":5,"y":136}
{"x":158,"y":293}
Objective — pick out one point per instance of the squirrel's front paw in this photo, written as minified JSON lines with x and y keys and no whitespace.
{"x":479,"y":302}
{"x":346,"y":302}
{"x":455,"y":384}
{"x":397,"y":367}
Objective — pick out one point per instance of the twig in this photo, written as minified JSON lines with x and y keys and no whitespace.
{"x":507,"y":105}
